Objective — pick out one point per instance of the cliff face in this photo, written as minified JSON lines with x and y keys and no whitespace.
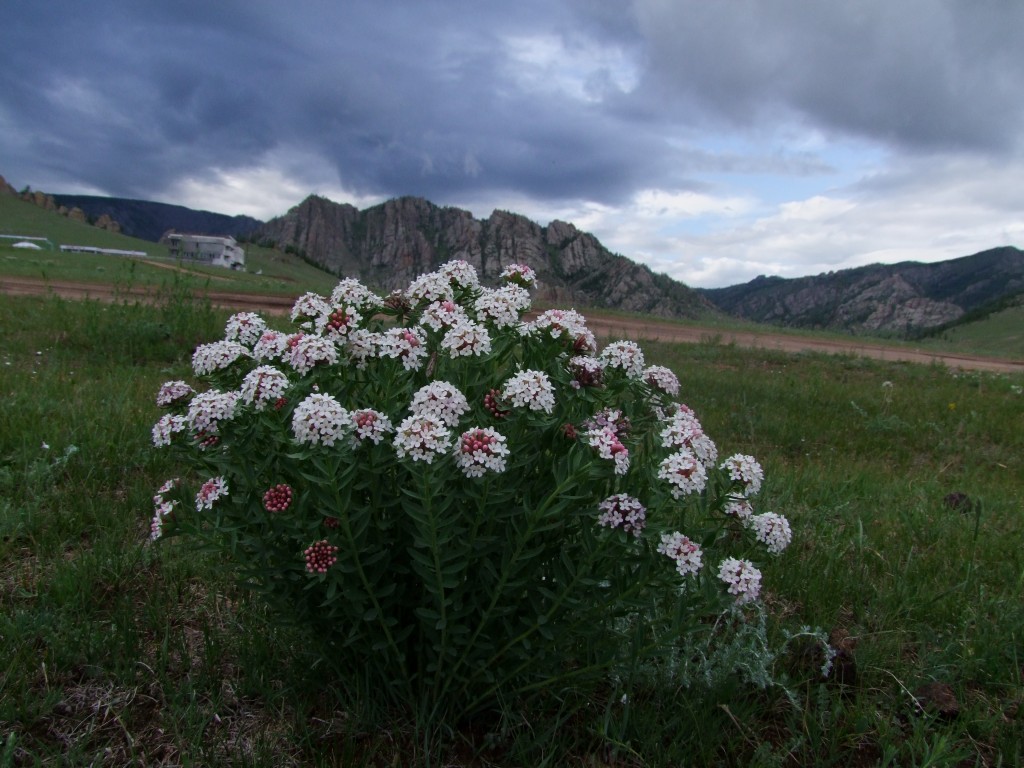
{"x":894,"y":298}
{"x":388,"y":245}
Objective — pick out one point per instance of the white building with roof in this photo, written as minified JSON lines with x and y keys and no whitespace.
{"x":206,"y":249}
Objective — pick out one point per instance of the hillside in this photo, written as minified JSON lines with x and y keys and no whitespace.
{"x":390,"y":244}
{"x":897,"y":299}
{"x":149,"y":221}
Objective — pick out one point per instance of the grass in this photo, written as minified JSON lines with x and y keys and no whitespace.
{"x":125,"y":654}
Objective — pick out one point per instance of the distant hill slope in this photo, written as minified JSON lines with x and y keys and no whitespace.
{"x":390,"y":244}
{"x":903,"y":298}
{"x":149,"y":221}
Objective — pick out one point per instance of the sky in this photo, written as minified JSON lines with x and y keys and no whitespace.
{"x":712,"y":141}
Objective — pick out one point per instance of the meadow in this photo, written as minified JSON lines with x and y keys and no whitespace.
{"x":904,"y":485}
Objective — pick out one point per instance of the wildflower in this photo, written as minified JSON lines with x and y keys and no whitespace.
{"x":460,"y":272}
{"x":165,"y":429}
{"x":625,"y":355}
{"x":337,"y":322}
{"x":623,"y":511}
{"x":662,"y":379}
{"x":309,"y":308}
{"x":467,"y":339}
{"x":443,"y":314}
{"x":772,"y":530}
{"x":610,"y":447}
{"x":161,"y":510}
{"x":566,"y":324}
{"x":684,"y":473}
{"x":422,"y":437}
{"x":530,"y":389}
{"x":309,"y":350}
{"x":278,"y":498}
{"x":216,"y":356}
{"x":208,"y":409}
{"x":213,"y":489}
{"x":738,"y":507}
{"x":432,"y":286}
{"x":481,"y":449}
{"x":683,"y":430}
{"x":742,"y":578}
{"x":272,"y":345}
{"x":502,"y":306}
{"x":173,"y":393}
{"x":263,"y":385}
{"x":319,"y":419}
{"x":320,"y":556}
{"x":245,"y":328}
{"x":370,"y":425}
{"x":406,"y":344}
{"x":361,"y":345}
{"x":746,"y":471}
{"x":688,"y":556}
{"x":350,"y":292}
{"x":519,"y":275}
{"x":441,"y":400}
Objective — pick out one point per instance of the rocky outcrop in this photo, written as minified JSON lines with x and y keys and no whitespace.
{"x":5,"y":188}
{"x":899,"y":299}
{"x":49,"y":203}
{"x":388,"y":245}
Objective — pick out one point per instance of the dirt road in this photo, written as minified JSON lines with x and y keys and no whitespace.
{"x":601,"y":325}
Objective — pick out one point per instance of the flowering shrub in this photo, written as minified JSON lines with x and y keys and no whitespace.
{"x":460,"y":505}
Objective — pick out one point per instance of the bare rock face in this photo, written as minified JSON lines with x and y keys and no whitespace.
{"x":77,"y":214}
{"x":107,"y":223}
{"x":390,"y":244}
{"x":5,"y":188}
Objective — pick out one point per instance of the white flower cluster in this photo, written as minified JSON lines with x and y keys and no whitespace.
{"x":422,"y":437}
{"x":308,"y":308}
{"x":460,"y":272}
{"x":662,"y":379}
{"x":566,"y":324}
{"x":441,"y":400}
{"x":530,"y":389}
{"x":684,"y":473}
{"x":519,"y":274}
{"x":338,"y":322}
{"x":406,"y":344}
{"x":502,"y":306}
{"x":162,"y":508}
{"x":166,"y":427}
{"x":688,"y":556}
{"x":772,"y":530}
{"x":746,"y":471}
{"x":272,"y":345}
{"x":370,"y":425}
{"x":466,"y":340}
{"x":208,"y":409}
{"x":443,"y":314}
{"x":361,"y":345}
{"x":213,"y":489}
{"x":683,"y":430}
{"x":172,"y":393}
{"x":626,"y":355}
{"x":351,"y":292}
{"x":623,"y":511}
{"x":738,"y":507}
{"x":262,"y":385}
{"x":606,"y":441}
{"x":245,"y":328}
{"x":310,"y":350}
{"x":433,"y":286}
{"x":480,"y":450}
{"x":742,"y":579}
{"x":319,"y":419}
{"x":216,"y":356}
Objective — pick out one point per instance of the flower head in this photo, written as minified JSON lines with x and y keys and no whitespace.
{"x":245,"y":328}
{"x":467,"y":339}
{"x":166,"y":427}
{"x":688,"y":556}
{"x":422,"y":437}
{"x":310,"y":350}
{"x":502,"y":306}
{"x":213,"y":489}
{"x":350,"y":292}
{"x":262,"y":385}
{"x":208,"y":409}
{"x":625,"y":355}
{"x":370,"y":425}
{"x":216,"y":356}
{"x":742,"y":579}
{"x":319,"y":419}
{"x":530,"y":389}
{"x":684,"y":473}
{"x":278,"y":498}
{"x":746,"y":471}
{"x":772,"y":530}
{"x":623,"y":511}
{"x":406,"y":344}
{"x":479,"y":450}
{"x":441,"y":400}
{"x":173,"y":393}
{"x":520,"y":275}
{"x":320,"y":556}
{"x":662,"y":379}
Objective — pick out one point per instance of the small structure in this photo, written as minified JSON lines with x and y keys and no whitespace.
{"x":94,"y":249}
{"x":208,"y":249}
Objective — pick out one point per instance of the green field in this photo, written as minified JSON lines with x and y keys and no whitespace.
{"x":267,"y":270}
{"x":120,"y":653}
